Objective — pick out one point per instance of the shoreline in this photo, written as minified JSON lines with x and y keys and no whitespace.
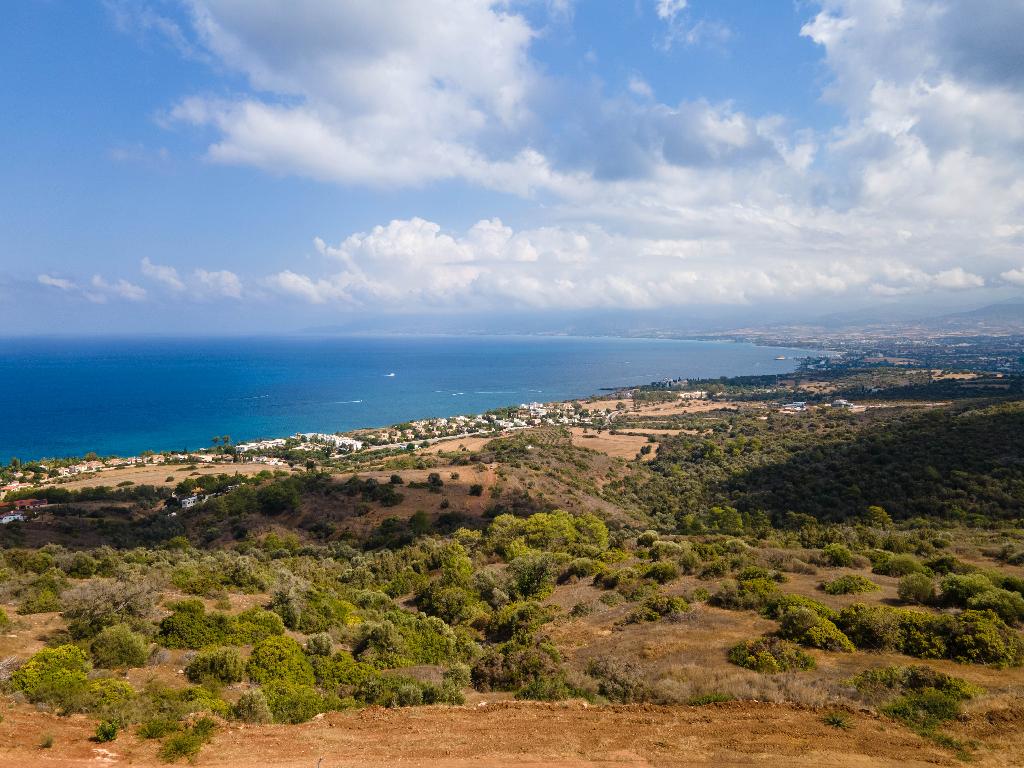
{"x":445,"y":411}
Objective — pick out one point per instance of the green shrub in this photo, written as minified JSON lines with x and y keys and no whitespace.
{"x":513,"y":665}
{"x":187,"y":742}
{"x":958,"y":589}
{"x":837,"y":556}
{"x":118,"y":646}
{"x":747,"y":595}
{"x":883,"y":681}
{"x":923,"y":710}
{"x":219,"y":665}
{"x":662,"y":571}
{"x":620,"y":680}
{"x":340,"y":670}
{"x":897,"y":565}
{"x":777,"y":604}
{"x":981,"y":637}
{"x":252,"y":707}
{"x":555,"y":688}
{"x":292,"y":702}
{"x":918,"y":588}
{"x":1007,"y":605}
{"x":804,"y":626}
{"x":157,"y":728}
{"x":190,"y":626}
{"x":5,"y":620}
{"x":851,"y":584}
{"x":770,"y":655}
{"x":109,"y":697}
{"x":252,"y":626}
{"x":657,"y":607}
{"x":319,"y":644}
{"x":520,"y":619}
{"x":279,"y":659}
{"x":53,"y":675}
{"x":106,"y":731}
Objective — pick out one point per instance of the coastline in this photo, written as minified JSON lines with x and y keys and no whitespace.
{"x":369,"y":403}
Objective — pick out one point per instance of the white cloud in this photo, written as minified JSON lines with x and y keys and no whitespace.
{"x":1015,"y":276}
{"x":958,"y":279}
{"x":120,"y":288}
{"x":218,"y":283}
{"x":640,"y":87}
{"x":57,"y":282}
{"x":163,"y":274}
{"x":413,"y":265}
{"x":918,"y":188}
{"x":669,"y":9}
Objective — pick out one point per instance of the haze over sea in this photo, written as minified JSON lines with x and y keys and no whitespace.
{"x":121,"y":396}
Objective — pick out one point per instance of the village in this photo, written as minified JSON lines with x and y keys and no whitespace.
{"x":305,"y":448}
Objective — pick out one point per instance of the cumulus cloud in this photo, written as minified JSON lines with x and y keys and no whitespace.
{"x":164,"y":274}
{"x":121,"y":288}
{"x":918,"y":187}
{"x":1015,"y":276}
{"x":218,"y":283}
{"x":410,"y":265}
{"x":201,"y":283}
{"x":57,"y":282}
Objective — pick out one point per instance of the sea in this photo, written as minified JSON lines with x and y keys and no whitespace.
{"x":120,"y":396}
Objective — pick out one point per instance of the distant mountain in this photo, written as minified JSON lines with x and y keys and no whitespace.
{"x":1007,"y":316}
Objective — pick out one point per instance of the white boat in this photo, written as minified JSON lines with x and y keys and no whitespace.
{"x":390,"y":375}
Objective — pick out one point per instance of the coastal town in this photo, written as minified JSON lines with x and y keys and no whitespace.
{"x":25,"y":484}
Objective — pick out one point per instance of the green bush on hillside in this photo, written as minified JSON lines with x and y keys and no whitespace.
{"x":770,"y":655}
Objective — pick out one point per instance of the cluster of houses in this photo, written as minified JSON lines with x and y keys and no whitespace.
{"x":16,"y":511}
{"x":799,"y":406}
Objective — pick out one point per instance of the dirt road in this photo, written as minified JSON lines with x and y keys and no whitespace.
{"x":502,"y":735}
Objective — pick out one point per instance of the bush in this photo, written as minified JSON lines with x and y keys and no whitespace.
{"x":619,"y":680}
{"x":555,"y":688}
{"x":851,"y":584}
{"x":897,"y":565}
{"x":924,"y":710}
{"x":776,"y":605}
{"x":512,"y":665}
{"x":917,"y":588}
{"x":188,"y":742}
{"x":292,"y":702}
{"x":219,"y":665}
{"x":657,"y":607}
{"x":158,"y":727}
{"x":748,"y":595}
{"x":190,"y":626}
{"x":341,"y":669}
{"x":837,"y":556}
{"x":53,"y":675}
{"x":886,"y":680}
{"x":319,"y":644}
{"x":109,"y":697}
{"x":95,"y":604}
{"x":804,"y":626}
{"x":279,"y":659}
{"x":957,"y":589}
{"x":106,"y":731}
{"x":1007,"y":605}
{"x":5,"y":620}
{"x":253,"y":625}
{"x":252,"y":707}
{"x":981,"y":637}
{"x":770,"y":655}
{"x":118,"y":646}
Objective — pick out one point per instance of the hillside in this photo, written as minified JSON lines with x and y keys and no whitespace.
{"x":709,"y":583}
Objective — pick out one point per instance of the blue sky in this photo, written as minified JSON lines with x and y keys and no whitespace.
{"x":230,"y":166}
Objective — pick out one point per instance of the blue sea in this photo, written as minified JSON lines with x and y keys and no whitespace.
{"x":65,"y":397}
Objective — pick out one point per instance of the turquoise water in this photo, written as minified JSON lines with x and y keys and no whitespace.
{"x":65,"y":397}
